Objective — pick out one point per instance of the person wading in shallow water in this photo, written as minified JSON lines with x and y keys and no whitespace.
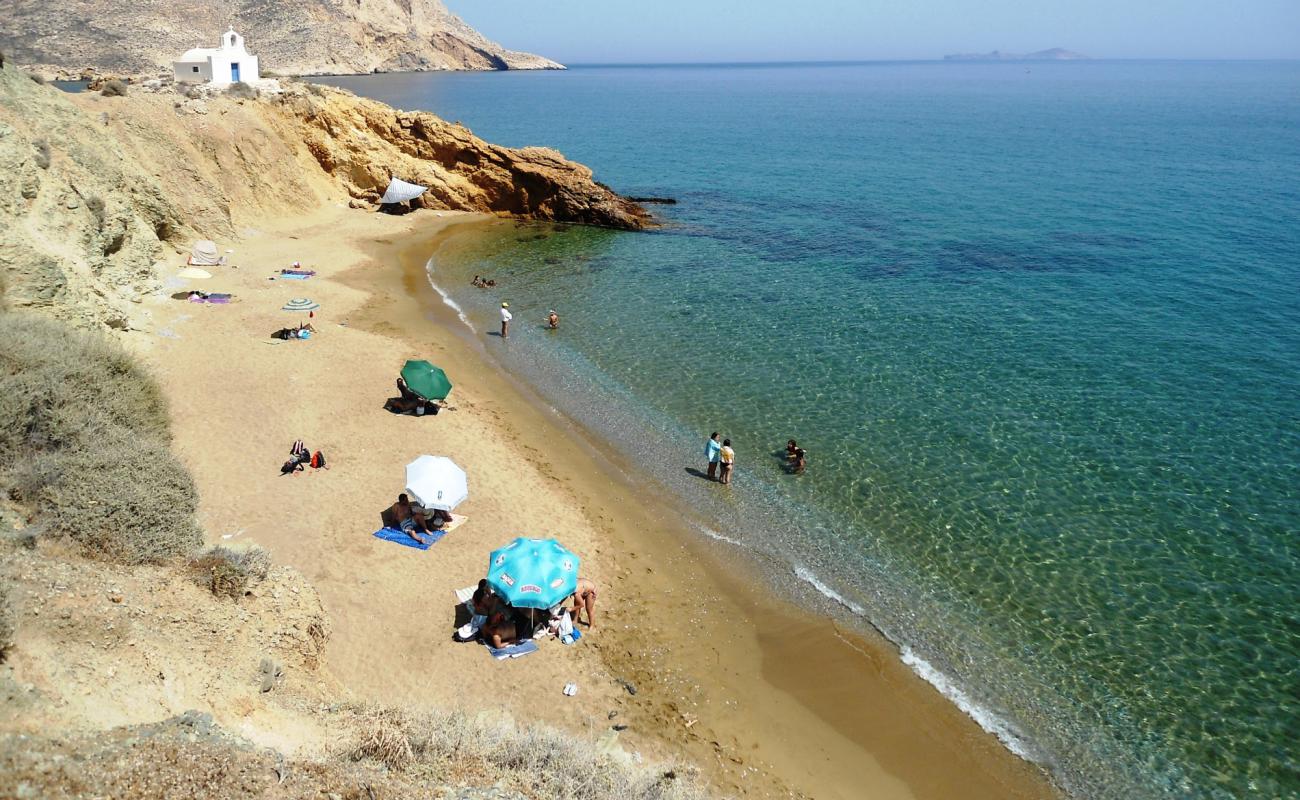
{"x":506,"y":316}
{"x":728,"y":458}
{"x":711,"y":449}
{"x":552,"y":320}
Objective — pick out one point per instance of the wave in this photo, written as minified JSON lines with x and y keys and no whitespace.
{"x":1011,"y":738}
{"x":1007,"y":733}
{"x":446,"y":298}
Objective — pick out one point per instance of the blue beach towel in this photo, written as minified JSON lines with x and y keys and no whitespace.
{"x":577,"y":634}
{"x":404,"y":538}
{"x":513,"y":651}
{"x":286,"y":277}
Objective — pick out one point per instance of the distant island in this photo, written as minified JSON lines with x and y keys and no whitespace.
{"x":1054,"y":54}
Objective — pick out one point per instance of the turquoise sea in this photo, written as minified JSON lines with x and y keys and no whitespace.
{"x":1038,"y":326}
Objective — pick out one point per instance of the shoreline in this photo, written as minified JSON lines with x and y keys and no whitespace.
{"x":791,"y":705}
{"x":716,"y":559}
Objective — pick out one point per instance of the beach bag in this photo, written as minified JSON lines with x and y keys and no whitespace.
{"x":284,"y":333}
{"x":289,"y":466}
{"x":317,"y":460}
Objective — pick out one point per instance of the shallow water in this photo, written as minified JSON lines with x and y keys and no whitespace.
{"x":1038,"y":327}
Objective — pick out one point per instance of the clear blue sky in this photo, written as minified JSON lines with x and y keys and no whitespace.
{"x":621,"y":31}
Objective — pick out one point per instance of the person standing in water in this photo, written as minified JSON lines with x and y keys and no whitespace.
{"x":711,"y":450}
{"x":506,"y":316}
{"x":728,"y":458}
{"x":552,"y":319}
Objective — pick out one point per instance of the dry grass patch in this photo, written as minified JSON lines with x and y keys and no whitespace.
{"x":536,"y":760}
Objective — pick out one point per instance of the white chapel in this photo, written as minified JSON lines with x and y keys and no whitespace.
{"x":229,"y":63}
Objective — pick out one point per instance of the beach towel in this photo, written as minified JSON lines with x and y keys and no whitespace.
{"x":293,"y":276}
{"x":404,"y":538}
{"x":214,"y":299}
{"x":513,"y":651}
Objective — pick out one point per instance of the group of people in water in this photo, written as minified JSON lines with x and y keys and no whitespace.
{"x":500,"y":624}
{"x":721,"y":458}
{"x":483,"y":283}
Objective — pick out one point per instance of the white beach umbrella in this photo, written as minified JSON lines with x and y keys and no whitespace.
{"x":436,"y":482}
{"x":400,"y":191}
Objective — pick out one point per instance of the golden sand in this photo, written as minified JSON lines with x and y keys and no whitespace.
{"x":765,"y":698}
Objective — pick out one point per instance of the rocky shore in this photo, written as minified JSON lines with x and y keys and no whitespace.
{"x":94,"y":189}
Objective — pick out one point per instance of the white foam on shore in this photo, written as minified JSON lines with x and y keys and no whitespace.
{"x":990,"y":722}
{"x":806,"y":575}
{"x":712,"y":534}
{"x":446,"y":298}
{"x":986,"y":719}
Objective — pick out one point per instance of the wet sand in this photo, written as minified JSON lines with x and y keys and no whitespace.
{"x":767,"y":699}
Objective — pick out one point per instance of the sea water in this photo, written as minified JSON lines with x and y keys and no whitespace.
{"x":1038,"y":327}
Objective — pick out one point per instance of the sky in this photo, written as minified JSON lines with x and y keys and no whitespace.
{"x":651,"y":31}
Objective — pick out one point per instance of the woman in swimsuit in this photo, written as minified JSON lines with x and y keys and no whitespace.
{"x":585,"y":597}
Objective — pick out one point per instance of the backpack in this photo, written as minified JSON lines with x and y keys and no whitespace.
{"x":317,"y":460}
{"x":292,"y":465}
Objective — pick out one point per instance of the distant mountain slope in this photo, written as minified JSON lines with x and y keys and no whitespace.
{"x":289,"y":36}
{"x":1054,"y":54}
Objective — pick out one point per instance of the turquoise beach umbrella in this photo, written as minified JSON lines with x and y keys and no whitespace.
{"x":533,"y":573}
{"x":426,"y":380}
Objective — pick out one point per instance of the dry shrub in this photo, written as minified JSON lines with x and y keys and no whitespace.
{"x":241,"y":91}
{"x":542,"y":761}
{"x":189,"y":91}
{"x":42,"y":148}
{"x":113,"y":88}
{"x":84,"y":444}
{"x":384,"y":740}
{"x":231,"y":573}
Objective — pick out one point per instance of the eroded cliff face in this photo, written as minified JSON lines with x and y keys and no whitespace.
{"x":95,"y":191}
{"x":300,"y":37}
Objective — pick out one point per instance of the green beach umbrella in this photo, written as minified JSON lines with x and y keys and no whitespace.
{"x":426,"y":380}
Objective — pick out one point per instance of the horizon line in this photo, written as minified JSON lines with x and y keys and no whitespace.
{"x":940,"y":60}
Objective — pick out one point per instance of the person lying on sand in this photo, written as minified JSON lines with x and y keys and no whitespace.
{"x":585,"y":597}
{"x":500,"y":630}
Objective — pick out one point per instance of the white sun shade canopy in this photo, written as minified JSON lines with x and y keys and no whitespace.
{"x":399,"y":191}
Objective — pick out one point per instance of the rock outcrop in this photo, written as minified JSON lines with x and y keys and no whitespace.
{"x":300,"y":37}
{"x":95,"y":190}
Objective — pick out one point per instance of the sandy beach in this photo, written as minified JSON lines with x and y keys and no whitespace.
{"x":768,"y":700}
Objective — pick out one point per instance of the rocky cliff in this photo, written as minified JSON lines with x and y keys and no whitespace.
{"x":95,"y":190}
{"x":298,"y":37}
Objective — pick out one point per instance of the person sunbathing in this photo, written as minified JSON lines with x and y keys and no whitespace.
{"x":405,"y":391}
{"x":409,"y":518}
{"x":500,"y":630}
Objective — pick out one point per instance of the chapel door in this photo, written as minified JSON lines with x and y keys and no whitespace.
{"x":234,"y":73}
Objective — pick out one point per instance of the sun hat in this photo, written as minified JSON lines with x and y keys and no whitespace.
{"x":505,"y":305}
